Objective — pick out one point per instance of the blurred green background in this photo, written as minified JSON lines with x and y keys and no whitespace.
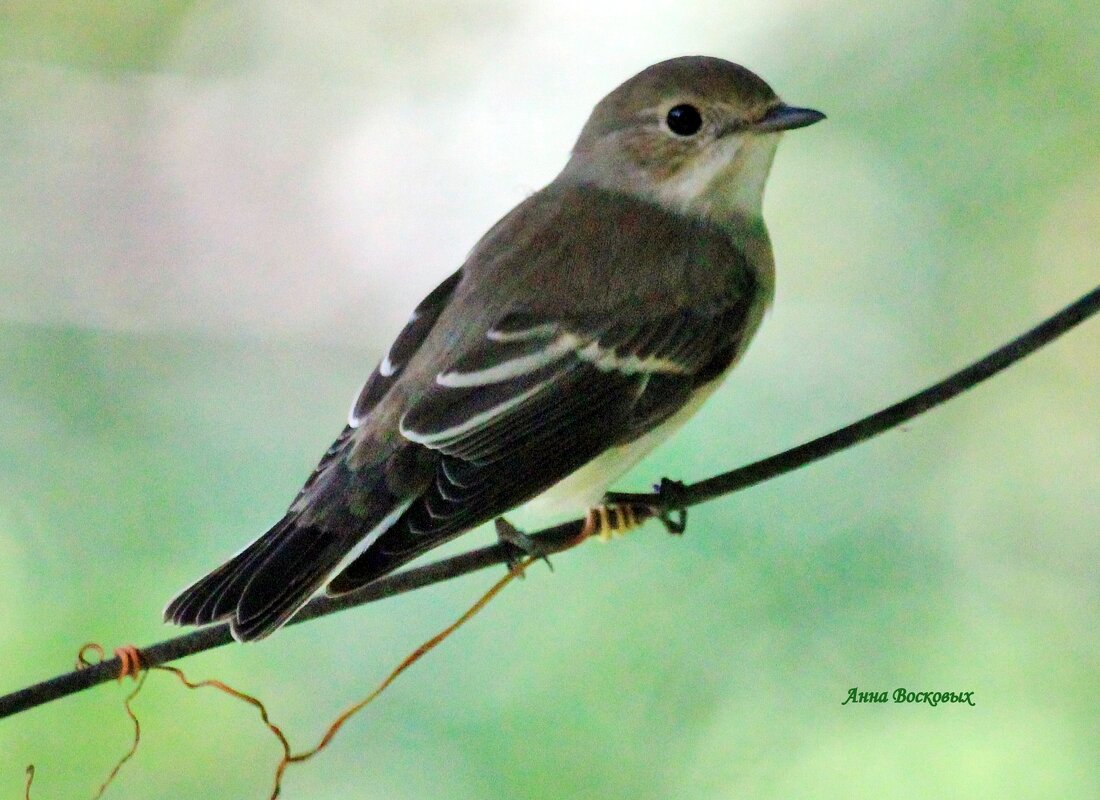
{"x":214,"y":216}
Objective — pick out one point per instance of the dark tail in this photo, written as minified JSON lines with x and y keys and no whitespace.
{"x":261,"y":587}
{"x":393,"y":549}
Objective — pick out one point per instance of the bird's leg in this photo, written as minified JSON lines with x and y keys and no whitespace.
{"x":621,"y":513}
{"x":521,"y":543}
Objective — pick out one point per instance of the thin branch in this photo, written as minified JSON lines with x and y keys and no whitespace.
{"x":561,"y":537}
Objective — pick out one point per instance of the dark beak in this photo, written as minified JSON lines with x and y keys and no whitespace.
{"x":785,"y":118}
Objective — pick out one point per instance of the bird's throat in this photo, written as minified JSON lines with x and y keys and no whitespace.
{"x":724,"y":181}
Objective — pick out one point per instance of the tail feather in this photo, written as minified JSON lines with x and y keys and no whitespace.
{"x":214,"y":597}
{"x":286,"y":580}
{"x":380,"y":559}
{"x":261,"y":587}
{"x":338,"y":512}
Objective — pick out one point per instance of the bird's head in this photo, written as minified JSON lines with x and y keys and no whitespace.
{"x":694,"y":134}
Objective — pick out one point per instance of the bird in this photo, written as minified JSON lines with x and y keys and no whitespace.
{"x":582,"y":329}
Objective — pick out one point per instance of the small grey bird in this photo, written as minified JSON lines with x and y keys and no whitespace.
{"x":584,"y":327}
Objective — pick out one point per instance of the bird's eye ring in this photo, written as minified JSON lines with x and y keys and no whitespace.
{"x":684,"y":120}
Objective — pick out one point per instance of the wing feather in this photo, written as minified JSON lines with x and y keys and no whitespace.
{"x":416,"y":330}
{"x":506,"y":434}
{"x":493,"y":395}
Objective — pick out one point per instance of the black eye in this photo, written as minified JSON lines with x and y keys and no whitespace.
{"x":684,"y":120}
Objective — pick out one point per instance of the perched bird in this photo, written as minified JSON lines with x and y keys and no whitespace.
{"x":583,"y":328}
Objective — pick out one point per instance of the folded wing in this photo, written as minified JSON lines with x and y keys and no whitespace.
{"x":535,"y":400}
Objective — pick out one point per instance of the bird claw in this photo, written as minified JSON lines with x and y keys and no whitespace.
{"x":671,"y":494}
{"x":669,"y":509}
{"x":522,"y":546}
